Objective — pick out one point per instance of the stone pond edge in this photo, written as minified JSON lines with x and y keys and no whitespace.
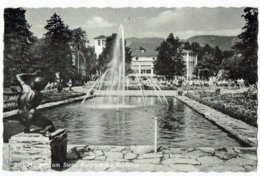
{"x":251,"y":141}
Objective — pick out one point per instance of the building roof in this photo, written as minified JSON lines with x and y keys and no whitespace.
{"x":100,"y":37}
{"x":147,"y":53}
{"x":146,"y":46}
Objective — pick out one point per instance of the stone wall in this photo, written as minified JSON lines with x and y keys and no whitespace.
{"x":35,"y":152}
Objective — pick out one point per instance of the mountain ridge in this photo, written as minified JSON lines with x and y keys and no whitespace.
{"x":223,"y":42}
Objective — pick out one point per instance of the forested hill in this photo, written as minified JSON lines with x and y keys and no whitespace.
{"x":223,"y":42}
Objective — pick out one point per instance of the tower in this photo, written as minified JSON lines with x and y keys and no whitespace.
{"x":99,"y":43}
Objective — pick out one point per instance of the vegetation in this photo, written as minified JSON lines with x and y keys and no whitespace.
{"x":18,"y":40}
{"x":239,"y":106}
{"x":10,"y":100}
{"x":247,"y":49}
{"x":55,"y":52}
{"x":169,"y":61}
{"x":241,"y":62}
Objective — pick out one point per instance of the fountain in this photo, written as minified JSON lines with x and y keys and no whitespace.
{"x":109,"y":91}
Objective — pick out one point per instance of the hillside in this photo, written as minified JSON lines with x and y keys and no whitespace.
{"x":223,"y":42}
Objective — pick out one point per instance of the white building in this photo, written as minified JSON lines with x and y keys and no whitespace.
{"x":143,"y":59}
{"x":99,"y":44}
{"x":191,"y":59}
{"x":143,"y":56}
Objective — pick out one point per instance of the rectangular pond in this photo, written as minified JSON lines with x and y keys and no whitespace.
{"x":178,"y":125}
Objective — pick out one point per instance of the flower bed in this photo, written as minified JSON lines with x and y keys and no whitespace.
{"x":10,"y":100}
{"x":237,"y":106}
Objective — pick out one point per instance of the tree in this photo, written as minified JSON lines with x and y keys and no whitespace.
{"x":91,"y":61}
{"x":128,"y":60}
{"x":57,"y":50}
{"x":17,"y":42}
{"x":169,"y":61}
{"x":106,"y":56}
{"x":232,"y":67}
{"x":247,"y":47}
{"x":78,"y":45}
{"x":78,"y":39}
{"x":208,"y":65}
{"x":187,"y":46}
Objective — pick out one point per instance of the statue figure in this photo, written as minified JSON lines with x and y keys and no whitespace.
{"x":29,"y":99}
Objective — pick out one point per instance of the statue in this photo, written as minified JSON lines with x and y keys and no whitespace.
{"x":29,"y":99}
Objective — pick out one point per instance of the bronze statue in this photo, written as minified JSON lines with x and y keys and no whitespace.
{"x":29,"y":99}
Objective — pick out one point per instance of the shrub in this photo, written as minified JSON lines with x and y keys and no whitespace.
{"x":217,"y":91}
{"x":179,"y":91}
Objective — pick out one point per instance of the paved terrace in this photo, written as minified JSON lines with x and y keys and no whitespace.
{"x":142,"y":158}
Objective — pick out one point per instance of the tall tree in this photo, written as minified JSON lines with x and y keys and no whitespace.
{"x":232,"y":67}
{"x":91,"y":61}
{"x":78,"y":45}
{"x":206,"y":67}
{"x":247,"y":47}
{"x":169,"y":61}
{"x":17,"y":42}
{"x":78,"y":39}
{"x":57,"y":50}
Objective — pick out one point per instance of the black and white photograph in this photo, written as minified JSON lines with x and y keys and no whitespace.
{"x":126,"y":89}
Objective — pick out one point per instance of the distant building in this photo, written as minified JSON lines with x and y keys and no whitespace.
{"x":99,"y":44}
{"x":144,"y":55}
{"x":191,"y":60}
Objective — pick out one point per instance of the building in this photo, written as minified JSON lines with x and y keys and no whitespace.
{"x":99,"y":44}
{"x":191,"y":59}
{"x":144,"y":55}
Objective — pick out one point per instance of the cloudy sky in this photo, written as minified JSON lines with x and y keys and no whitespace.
{"x":143,"y":22}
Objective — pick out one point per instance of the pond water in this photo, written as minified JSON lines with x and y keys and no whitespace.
{"x":178,"y":125}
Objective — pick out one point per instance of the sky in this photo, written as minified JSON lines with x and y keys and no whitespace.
{"x":142,"y":22}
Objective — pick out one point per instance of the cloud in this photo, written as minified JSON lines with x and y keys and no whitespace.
{"x":98,"y":22}
{"x":163,"y":18}
{"x":196,"y":19}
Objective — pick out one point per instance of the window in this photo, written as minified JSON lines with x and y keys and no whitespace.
{"x":136,"y":58}
{"x":103,"y":42}
{"x":146,"y":71}
{"x":99,"y":42}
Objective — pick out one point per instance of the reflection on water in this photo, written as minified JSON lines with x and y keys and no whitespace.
{"x":178,"y":125}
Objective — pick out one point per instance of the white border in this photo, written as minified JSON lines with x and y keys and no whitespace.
{"x":113,"y":4}
{"x":129,"y":3}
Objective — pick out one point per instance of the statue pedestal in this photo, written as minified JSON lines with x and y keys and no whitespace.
{"x":35,"y":152}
